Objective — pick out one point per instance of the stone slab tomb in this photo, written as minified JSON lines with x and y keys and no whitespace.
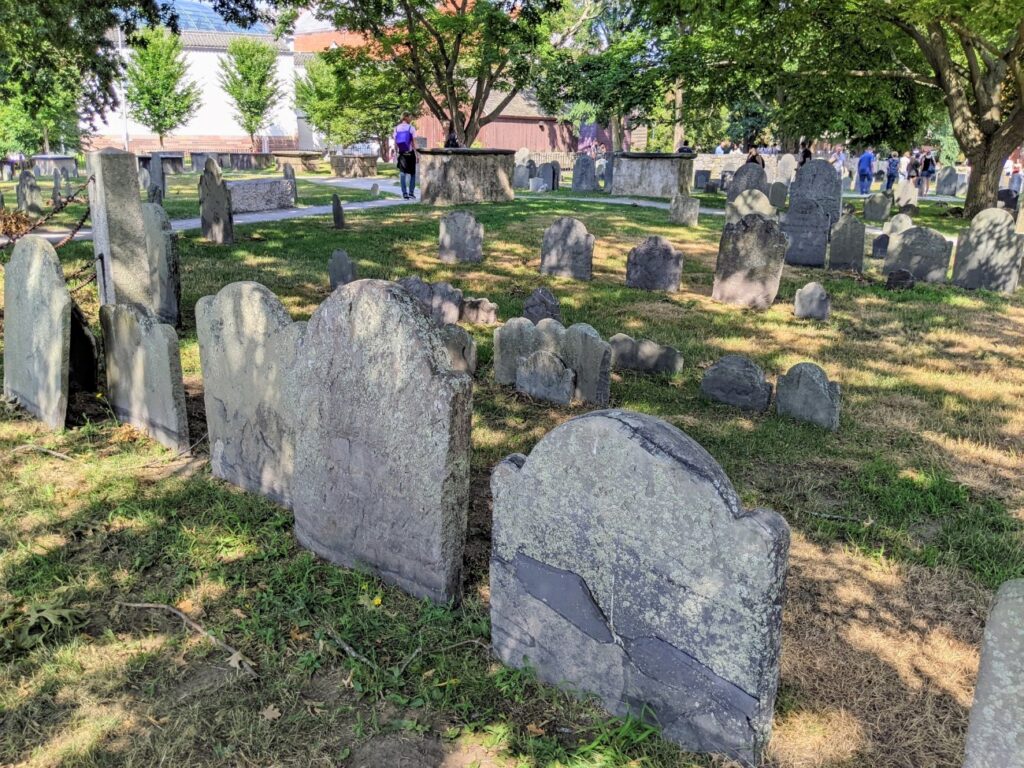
{"x":921,"y":251}
{"x":654,"y":265}
{"x":988,"y":254}
{"x":461,"y":238}
{"x":356,"y":421}
{"x":751,"y":254}
{"x":846,"y":248}
{"x":650,"y":174}
{"x":584,"y":174}
{"x":144,"y":379}
{"x":567,"y":250}
{"x":215,"y":212}
{"x":737,"y":381}
{"x":807,"y":227}
{"x":747,"y":176}
{"x":804,"y":393}
{"x":644,"y":355}
{"x":252,"y":195}
{"x":465,"y":176}
{"x":624,"y":565}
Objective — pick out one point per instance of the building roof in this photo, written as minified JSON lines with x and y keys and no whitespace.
{"x":218,"y":41}
{"x":198,"y":17}
{"x":524,"y":105}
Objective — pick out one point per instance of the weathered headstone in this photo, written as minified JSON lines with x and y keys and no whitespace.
{"x":514,"y":341}
{"x":603,"y":586}
{"x":543,"y":376}
{"x":609,"y":174}
{"x":375,"y":190}
{"x":900,"y":280}
{"x":442,"y":301}
{"x":289,"y":175}
{"x":804,"y":393}
{"x":644,"y":355}
{"x":144,"y":379}
{"x":557,"y":174}
{"x":946,"y":181}
{"x":684,"y":210}
{"x":355,"y":420}
{"x":262,"y":194}
{"x":461,"y":348}
{"x":55,"y":196}
{"x":880,"y":246}
{"x":461,"y":238}
{"x":817,"y":180}
{"x":922,"y":251}
{"x":988,"y":254}
{"x":807,"y":227}
{"x":747,"y":202}
{"x":28,"y":194}
{"x":337,"y":212}
{"x":748,"y":176}
{"x":537,"y":184}
{"x":713,"y":187}
{"x":546,"y":173}
{"x":289,"y":171}
{"x":541,"y":304}
{"x":144,"y":180}
{"x":750,"y":259}
{"x":521,"y":176}
{"x":846,"y":250}
{"x":479,"y":311}
{"x":584,"y":174}
{"x":5,"y":172}
{"x":215,"y":212}
{"x":786,"y":169}
{"x":1019,"y":229}
{"x":157,"y":179}
{"x":877,"y":207}
{"x":812,"y":302}
{"x":654,"y":265}
{"x":778,"y":194}
{"x":905,"y":195}
{"x":898,"y":223}
{"x":340,"y":269}
{"x":737,"y":381}
{"x":567,"y":250}
{"x":701,"y":179}
{"x":522,"y":155}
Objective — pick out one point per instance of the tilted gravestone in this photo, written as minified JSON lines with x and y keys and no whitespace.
{"x":602,"y":586}
{"x":804,"y":393}
{"x":786,"y":169}
{"x":337,"y":212}
{"x":807,"y":227}
{"x":751,"y":255}
{"x":157,"y":189}
{"x":541,"y":304}
{"x":644,"y":355}
{"x":216,"y":215}
{"x":144,"y":379}
{"x":543,"y":376}
{"x":461,"y":238}
{"x":946,"y":181}
{"x":340,"y":269}
{"x":28,"y":194}
{"x":778,"y":193}
{"x":747,"y":202}
{"x":567,"y":250}
{"x":737,"y":381}
{"x":442,"y":301}
{"x":877,"y":207}
{"x":584,"y":174}
{"x":684,"y":210}
{"x":817,"y":180}
{"x":988,"y":254}
{"x":461,"y":348}
{"x":905,"y":195}
{"x":846,"y":250}
{"x":747,"y":176}
{"x":654,"y":265}
{"x":355,"y":420}
{"x":922,"y":251}
{"x":812,"y":302}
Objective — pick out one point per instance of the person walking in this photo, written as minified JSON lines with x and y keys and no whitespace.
{"x":866,"y":170}
{"x":892,"y":170}
{"x":838,"y":160}
{"x":753,"y":156}
{"x":805,"y":153}
{"x":904,"y":165}
{"x":927,"y":172}
{"x":405,"y":144}
{"x":914,"y":170}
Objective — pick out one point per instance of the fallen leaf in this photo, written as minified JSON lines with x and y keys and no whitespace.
{"x":236,"y":660}
{"x":534,"y":730}
{"x":298,"y":636}
{"x":271,"y":713}
{"x":187,"y":606}
{"x":239,"y":613}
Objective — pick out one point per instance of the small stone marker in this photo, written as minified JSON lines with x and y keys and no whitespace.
{"x":543,"y":376}
{"x":879,"y":247}
{"x":644,"y":355}
{"x":995,"y":735}
{"x":337,"y":212}
{"x":375,"y":190}
{"x":479,"y":311}
{"x":567,"y":250}
{"x":684,"y":210}
{"x":215,"y":211}
{"x":654,"y":265}
{"x":847,"y":244}
{"x":442,"y":301}
{"x":777,"y":194}
{"x":817,"y":180}
{"x":55,"y":196}
{"x":786,"y":170}
{"x":584,"y":174}
{"x":340,"y":269}
{"x":28,"y":194}
{"x":461,"y":238}
{"x":750,"y":201}
{"x":812,"y":302}
{"x":922,"y":251}
{"x":537,"y":184}
{"x":737,"y":381}
{"x":807,"y":227}
{"x":988,"y":254}
{"x":900,"y":280}
{"x":946,"y":181}
{"x":748,"y":176}
{"x":461,"y":348}
{"x":571,"y":550}
{"x":144,"y":180}
{"x":877,"y":207}
{"x":541,"y":304}
{"x":804,"y":393}
{"x":750,"y":259}
{"x":905,"y":195}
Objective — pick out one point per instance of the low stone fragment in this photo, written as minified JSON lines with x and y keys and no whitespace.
{"x":540,"y":304}
{"x":340,"y":269}
{"x":461,"y":348}
{"x":900,"y":280}
{"x":737,"y":381}
{"x":644,"y":355}
{"x":543,"y":376}
{"x":684,"y":210}
{"x":812,"y":302}
{"x":479,"y":311}
{"x":654,"y":265}
{"x":804,"y":393}
{"x":441,"y":301}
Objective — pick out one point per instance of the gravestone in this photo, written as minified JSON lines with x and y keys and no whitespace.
{"x":880,"y":247}
{"x":1019,"y":229}
{"x":289,"y":175}
{"x":817,"y":180}
{"x":701,"y":179}
{"x":5,"y":172}
{"x":479,"y":311}
{"x":602,"y":586}
{"x":514,"y":341}
{"x":804,"y":393}
{"x":144,"y":180}
{"x":747,"y":176}
{"x":750,"y":201}
{"x":532,"y":167}
{"x":905,"y":195}
{"x":289,"y":171}
{"x":609,"y":174}
{"x":962,"y":182}
{"x":375,"y":190}
{"x":28,"y":194}
{"x":157,"y":179}
{"x":546,"y":173}
{"x":144,"y":379}
{"x":812,"y":302}
{"x":898,"y":223}
{"x":541,"y":304}
{"x":995,"y":735}
{"x":461,"y":348}
{"x":654,"y":265}
{"x":543,"y":376}
{"x":441,"y":301}
{"x":725,"y":180}
{"x":155,"y":196}
{"x":751,"y":254}
{"x":356,"y":421}
{"x":68,"y":188}
{"x":777,"y":194}
{"x":55,"y":196}
{"x":340,"y":269}
{"x":584,"y":174}
{"x":900,"y":280}
{"x":712,"y":187}
{"x":337,"y":212}
{"x":557,"y":177}
{"x":786,"y":169}
{"x":215,"y":212}
{"x":988,"y":254}
{"x":644,"y":355}
{"x":521,"y":176}
{"x":807,"y":227}
{"x":877,"y":207}
{"x":461,"y":238}
{"x":567,"y":250}
{"x":2,"y":206}
{"x":737,"y":381}
{"x":684,"y":210}
{"x":522,"y":155}
{"x":946,"y":181}
{"x":922,"y":251}
{"x":846,"y":250}
{"x":537,"y":184}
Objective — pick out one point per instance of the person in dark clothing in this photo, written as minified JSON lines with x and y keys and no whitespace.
{"x":892,"y":170}
{"x":404,"y":138}
{"x":452,"y":139}
{"x":753,"y":156}
{"x":805,"y":153}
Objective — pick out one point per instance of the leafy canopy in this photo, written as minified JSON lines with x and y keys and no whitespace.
{"x":159,"y":93}
{"x":248,"y":75}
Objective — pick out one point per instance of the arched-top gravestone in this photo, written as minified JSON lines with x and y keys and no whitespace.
{"x":921,"y":251}
{"x":817,"y":180}
{"x":654,"y":265}
{"x":877,"y":207}
{"x":747,"y":202}
{"x":661,"y":595}
{"x":807,"y":227}
{"x":584,"y":174}
{"x":748,"y":176}
{"x":461,"y":238}
{"x":786,"y":169}
{"x":567,"y":250}
{"x":988,"y":254}
{"x":901,"y":222}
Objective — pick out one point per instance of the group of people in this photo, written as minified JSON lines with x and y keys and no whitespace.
{"x":919,"y":167}
{"x":404,"y":138}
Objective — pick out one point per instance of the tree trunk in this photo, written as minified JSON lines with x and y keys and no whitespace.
{"x":678,"y":129}
{"x":46,"y":140}
{"x":615,"y":128}
{"x":983,"y":186}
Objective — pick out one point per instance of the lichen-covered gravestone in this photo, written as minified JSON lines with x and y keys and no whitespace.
{"x":654,"y":265}
{"x":584,"y":174}
{"x":804,"y":393}
{"x":750,"y":201}
{"x":737,"y":381}
{"x":644,"y":355}
{"x":661,"y":595}
{"x":751,"y":254}
{"x":543,"y":376}
{"x":988,"y":254}
{"x":748,"y":176}
{"x":340,"y":269}
{"x":922,"y":251}
{"x":442,"y":301}
{"x":541,"y":304}
{"x":817,"y":180}
{"x":461,"y":238}
{"x":144,"y":379}
{"x":807,"y":227}
{"x":28,"y":194}
{"x":684,"y":210}
{"x":356,"y":420}
{"x":812,"y":302}
{"x":846,"y":250}
{"x":567,"y":250}
{"x":877,"y":207}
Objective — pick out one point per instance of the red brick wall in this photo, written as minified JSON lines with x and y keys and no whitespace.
{"x":146,"y":144}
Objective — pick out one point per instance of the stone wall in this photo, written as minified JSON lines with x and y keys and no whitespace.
{"x":460,"y":176}
{"x":249,"y":195}
{"x":354,"y":166}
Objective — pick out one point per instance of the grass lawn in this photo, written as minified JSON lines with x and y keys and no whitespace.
{"x":904,"y":521}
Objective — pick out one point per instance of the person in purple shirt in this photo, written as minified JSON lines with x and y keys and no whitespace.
{"x":866,"y":170}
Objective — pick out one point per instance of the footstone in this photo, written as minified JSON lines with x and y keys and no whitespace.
{"x":804,"y":393}
{"x":567,"y":250}
{"x":461,"y":238}
{"x":818,"y":181}
{"x":355,"y":420}
{"x":541,"y":304}
{"x":946,"y":181}
{"x":441,"y":301}
{"x":750,"y":260}
{"x":777,"y":194}
{"x":543,"y":376}
{"x":807,"y":227}
{"x":28,"y":194}
{"x":644,"y":355}
{"x":340,"y":269}
{"x":922,"y":251}
{"x":584,"y":174}
{"x":537,"y":184}
{"x":684,"y":211}
{"x":995,"y":735}
{"x":748,"y":176}
{"x":877,"y":207}
{"x":737,"y":381}
{"x":602,"y":586}
{"x":846,"y":250}
{"x":905,"y":195}
{"x":337,"y":212}
{"x":988,"y":254}
{"x":144,"y":379}
{"x":479,"y":311}
{"x":215,"y":213}
{"x":812,"y":302}
{"x":375,"y":190}
{"x":461,"y":348}
{"x":900,"y":280}
{"x":880,"y":247}
{"x":750,"y":201}
{"x":654,"y":265}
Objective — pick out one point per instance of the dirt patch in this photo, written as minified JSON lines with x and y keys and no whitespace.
{"x":195,"y":407}
{"x":395,"y":750}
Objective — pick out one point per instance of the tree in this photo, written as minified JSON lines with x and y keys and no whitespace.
{"x":158,"y":92}
{"x":248,"y":75}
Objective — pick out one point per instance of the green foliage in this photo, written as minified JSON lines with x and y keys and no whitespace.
{"x":159,"y":92}
{"x":25,"y":625}
{"x":248,"y":75}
